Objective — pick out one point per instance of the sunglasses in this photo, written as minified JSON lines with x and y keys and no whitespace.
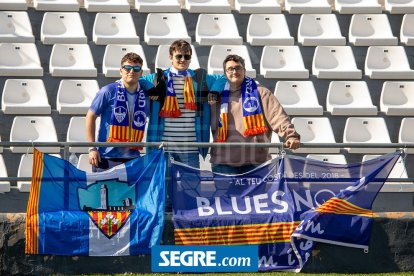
{"x":186,"y":57}
{"x":128,"y":68}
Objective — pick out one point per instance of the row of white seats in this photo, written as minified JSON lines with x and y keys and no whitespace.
{"x":26,"y":163}
{"x":211,"y":29}
{"x":217,"y":6}
{"x":282,"y":62}
{"x":346,"y":98}
{"x":365,"y":130}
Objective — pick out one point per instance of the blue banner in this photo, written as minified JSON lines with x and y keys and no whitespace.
{"x":284,"y":206}
{"x":112,"y":213}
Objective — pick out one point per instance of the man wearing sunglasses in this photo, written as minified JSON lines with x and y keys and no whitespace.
{"x":183,"y":113}
{"x":123,"y":107}
{"x":247,"y":113}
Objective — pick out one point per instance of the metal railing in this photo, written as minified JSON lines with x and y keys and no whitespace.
{"x":66,"y":145}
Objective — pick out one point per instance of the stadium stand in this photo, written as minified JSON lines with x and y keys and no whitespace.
{"x":114,"y":28}
{"x":335,"y":62}
{"x":15,"y":26}
{"x":298,"y":98}
{"x":217,"y":29}
{"x":157,"y":6}
{"x":268,"y":34}
{"x":371,"y":29}
{"x":268,"y":29}
{"x":357,"y":6}
{"x":106,"y":5}
{"x":407,"y":30}
{"x":25,"y":96}
{"x":257,"y":6}
{"x":164,"y":28}
{"x":329,"y":158}
{"x":320,"y":29}
{"x":350,"y":98}
{"x":397,"y":98}
{"x":207,"y":6}
{"x":315,"y":130}
{"x":368,"y":130}
{"x":283,"y":62}
{"x":20,"y":59}
{"x":62,"y":27}
{"x":75,"y":96}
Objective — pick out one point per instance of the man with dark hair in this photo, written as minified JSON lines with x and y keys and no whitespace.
{"x":247,"y":113}
{"x":123,"y":107}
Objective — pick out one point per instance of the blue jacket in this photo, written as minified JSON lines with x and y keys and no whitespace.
{"x":155,"y":129}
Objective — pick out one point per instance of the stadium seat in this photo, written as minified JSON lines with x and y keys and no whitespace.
{"x":77,"y":133}
{"x":56,"y":5}
{"x":75,"y":96}
{"x":406,"y":133}
{"x":399,"y":170}
{"x":83,"y":163}
{"x":62,"y":27}
{"x":268,"y":29}
{"x":4,"y":185}
{"x":157,"y":6}
{"x":25,"y":96}
{"x":217,"y":29}
{"x":298,"y":98}
{"x":371,"y":29}
{"x":370,"y":131}
{"x":33,"y":129}
{"x":283,"y":62}
{"x":350,"y":98}
{"x":207,"y":6}
{"x":72,"y":60}
{"x":164,"y":28}
{"x":25,"y":170}
{"x":319,"y":29}
{"x":1,"y":148}
{"x":219,"y":52}
{"x":397,"y":98}
{"x":15,"y":26}
{"x":307,"y":6}
{"x":315,"y":130}
{"x":357,"y":6}
{"x":163,"y":61}
{"x":399,"y":6}
{"x":13,"y":5}
{"x":106,"y":5}
{"x":407,"y":30}
{"x":113,"y":55}
{"x":20,"y":60}
{"x":329,"y":158}
{"x":257,"y":6}
{"x":387,"y":62}
{"x":205,"y":163}
{"x":114,"y":28}
{"x":335,"y":62}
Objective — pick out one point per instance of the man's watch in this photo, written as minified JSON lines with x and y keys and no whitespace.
{"x":92,"y":149}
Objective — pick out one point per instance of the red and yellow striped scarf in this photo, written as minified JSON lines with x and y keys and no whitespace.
{"x":253,"y":117}
{"x":170,"y":107}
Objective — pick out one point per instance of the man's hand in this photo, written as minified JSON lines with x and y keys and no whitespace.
{"x":292,"y":143}
{"x":212,"y":98}
{"x":94,"y":158}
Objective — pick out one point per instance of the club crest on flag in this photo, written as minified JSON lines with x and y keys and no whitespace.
{"x":107,"y":205}
{"x":120,"y":113}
